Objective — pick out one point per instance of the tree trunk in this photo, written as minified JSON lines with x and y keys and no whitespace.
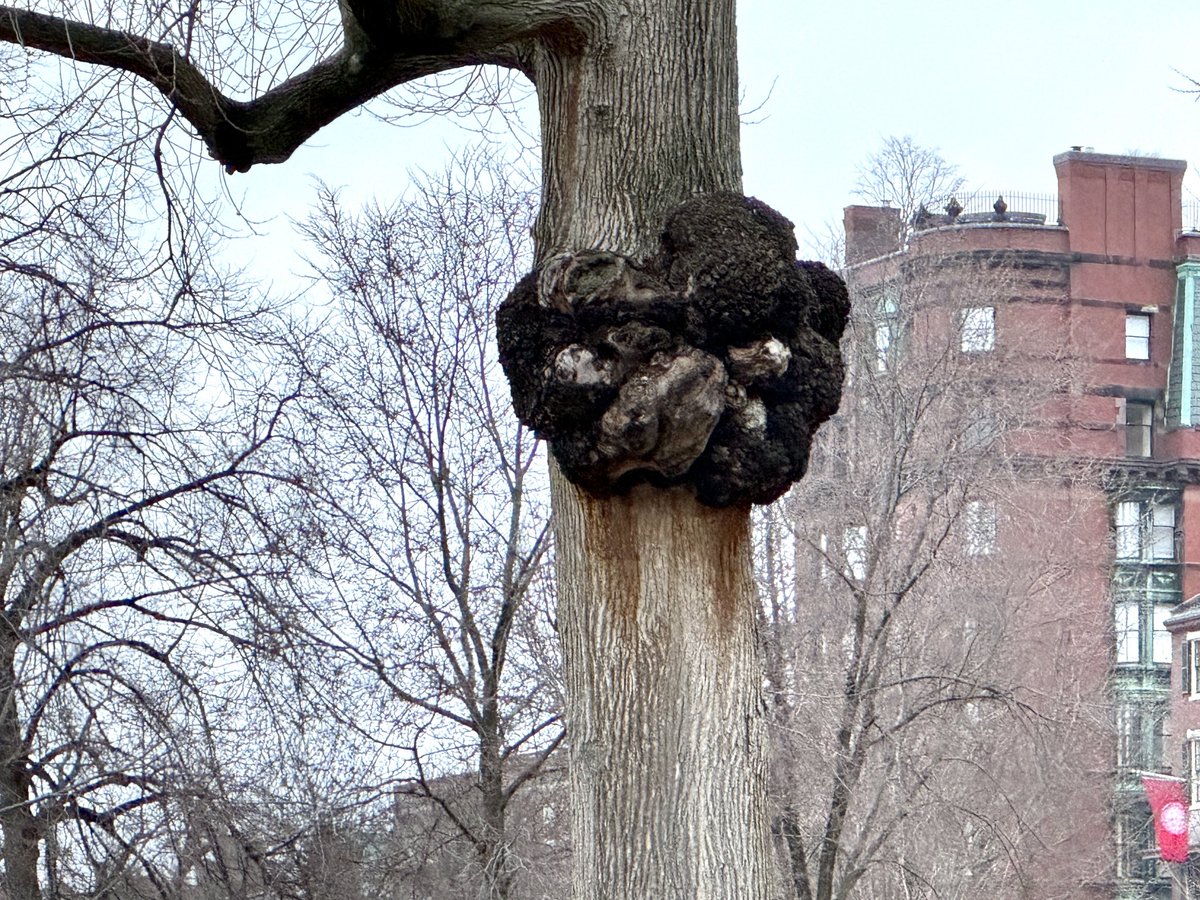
{"x":667,"y":744}
{"x":638,"y":113}
{"x":17,"y":823}
{"x":657,"y":611}
{"x":656,"y":597}
{"x":494,"y":855}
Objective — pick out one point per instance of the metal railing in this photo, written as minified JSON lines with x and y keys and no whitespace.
{"x":982,"y":201}
{"x":1191,"y":215}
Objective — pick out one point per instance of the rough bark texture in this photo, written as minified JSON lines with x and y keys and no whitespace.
{"x":656,"y":602}
{"x":666,"y":735}
{"x":492,"y":847}
{"x":711,"y":365}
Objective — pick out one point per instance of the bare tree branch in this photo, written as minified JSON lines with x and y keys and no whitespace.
{"x":397,"y":43}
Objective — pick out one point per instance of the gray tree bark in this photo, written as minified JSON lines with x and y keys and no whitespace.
{"x":667,"y":743}
{"x":656,"y":599}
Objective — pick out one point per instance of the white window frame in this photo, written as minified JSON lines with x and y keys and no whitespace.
{"x":1162,"y":531}
{"x":1127,"y":628}
{"x":977,"y":329}
{"x":886,"y":325}
{"x":854,"y":549}
{"x":1160,"y":651}
{"x":1128,"y":518}
{"x":980,"y":518}
{"x":1191,"y":765}
{"x":1189,"y":666}
{"x":1136,"y":849}
{"x":1137,"y":336}
{"x":1129,"y":736}
{"x":1139,"y":428}
{"x":1145,"y":530}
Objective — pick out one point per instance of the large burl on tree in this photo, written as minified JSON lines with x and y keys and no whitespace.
{"x":710,"y":364}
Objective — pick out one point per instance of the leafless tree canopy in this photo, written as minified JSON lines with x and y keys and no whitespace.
{"x":655,"y":596}
{"x":927,"y":698}
{"x":433,"y":516}
{"x":301,"y":69}
{"x":139,"y":540}
{"x":907,"y":176}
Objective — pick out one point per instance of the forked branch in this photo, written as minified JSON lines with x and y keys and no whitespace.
{"x":269,"y":128}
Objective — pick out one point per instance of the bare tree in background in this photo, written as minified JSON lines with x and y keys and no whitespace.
{"x":138,"y":545}
{"x":150,"y":497}
{"x":243,"y":784}
{"x":933,"y":687}
{"x":899,"y":174}
{"x":909,"y":177}
{"x":435,"y":521}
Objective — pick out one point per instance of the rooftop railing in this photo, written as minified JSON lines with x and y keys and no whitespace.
{"x":991,"y":205}
{"x":1191,"y":215}
{"x":982,"y":205}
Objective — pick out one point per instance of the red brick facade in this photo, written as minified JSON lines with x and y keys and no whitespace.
{"x":1105,"y":295}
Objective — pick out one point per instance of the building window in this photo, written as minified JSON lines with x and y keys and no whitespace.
{"x":1129,"y":736}
{"x":1161,"y":649}
{"x":1162,"y":531}
{"x":1136,"y":846}
{"x":1131,"y":620}
{"x":982,"y":431}
{"x":886,"y":325}
{"x":1128,"y":728}
{"x":1128,"y":524}
{"x":1145,"y":531}
{"x":854,"y":546}
{"x":1143,"y":598}
{"x":1137,"y":336}
{"x":1191,"y":765}
{"x":1139,"y":419}
{"x":1189,"y":666}
{"x":1125,"y":623}
{"x":977,"y":329}
{"x":1156,"y":719}
{"x":981,"y":528}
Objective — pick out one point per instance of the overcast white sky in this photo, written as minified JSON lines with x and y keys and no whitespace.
{"x":997,"y":87}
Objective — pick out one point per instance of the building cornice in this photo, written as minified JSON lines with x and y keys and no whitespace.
{"x":1148,"y":163}
{"x":1135,"y":473}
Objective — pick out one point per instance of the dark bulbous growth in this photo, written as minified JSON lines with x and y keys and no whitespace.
{"x":711,"y":364}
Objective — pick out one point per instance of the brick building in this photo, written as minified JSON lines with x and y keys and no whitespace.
{"x":1101,"y":284}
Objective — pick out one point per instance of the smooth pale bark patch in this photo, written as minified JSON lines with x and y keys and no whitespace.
{"x":711,"y":364}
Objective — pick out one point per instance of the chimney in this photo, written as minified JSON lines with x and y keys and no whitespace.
{"x":871,"y":231}
{"x":1120,"y":206}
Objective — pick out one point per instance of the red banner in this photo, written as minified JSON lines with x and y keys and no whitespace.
{"x":1170,"y":806}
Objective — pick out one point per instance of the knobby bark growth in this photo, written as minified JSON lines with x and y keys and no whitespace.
{"x":711,"y":365}
{"x":638,"y":106}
